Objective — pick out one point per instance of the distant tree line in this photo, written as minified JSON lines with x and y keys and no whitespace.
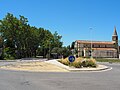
{"x":18,"y":40}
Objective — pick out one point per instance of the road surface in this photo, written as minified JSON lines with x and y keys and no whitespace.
{"x":20,"y":80}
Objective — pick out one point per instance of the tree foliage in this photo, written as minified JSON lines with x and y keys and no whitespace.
{"x":72,"y":45}
{"x":18,"y":39}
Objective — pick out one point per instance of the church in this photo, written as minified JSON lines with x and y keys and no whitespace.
{"x":98,"y":49}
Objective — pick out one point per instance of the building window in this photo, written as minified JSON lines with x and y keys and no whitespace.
{"x":96,"y":46}
{"x":102,"y":46}
{"x":110,"y":46}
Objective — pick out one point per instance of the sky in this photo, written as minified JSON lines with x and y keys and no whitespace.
{"x":73,"y":19}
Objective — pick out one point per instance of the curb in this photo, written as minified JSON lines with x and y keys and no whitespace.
{"x":8,"y":60}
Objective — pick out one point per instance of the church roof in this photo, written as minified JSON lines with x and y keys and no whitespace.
{"x":94,"y":42}
{"x":103,"y":49}
{"x":115,"y":32}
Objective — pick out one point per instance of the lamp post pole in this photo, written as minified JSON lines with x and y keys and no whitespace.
{"x":49,"y":52}
{"x":91,"y":41}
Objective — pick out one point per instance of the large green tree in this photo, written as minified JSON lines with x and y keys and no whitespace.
{"x":19,"y":39}
{"x":45,"y":38}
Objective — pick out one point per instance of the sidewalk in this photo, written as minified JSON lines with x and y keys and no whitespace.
{"x":99,"y":68}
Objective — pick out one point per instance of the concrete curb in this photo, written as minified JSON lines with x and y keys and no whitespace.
{"x":23,"y":60}
{"x":8,"y":61}
{"x":99,"y":68}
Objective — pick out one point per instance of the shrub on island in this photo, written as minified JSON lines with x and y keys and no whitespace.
{"x":79,"y":62}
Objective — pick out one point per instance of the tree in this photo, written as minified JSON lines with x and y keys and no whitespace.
{"x":72,"y":45}
{"x":56,"y":41}
{"x":8,"y":30}
{"x":20,"y":40}
{"x":66,"y":51}
{"x":16,"y":34}
{"x":56,"y":44}
{"x":45,"y":38}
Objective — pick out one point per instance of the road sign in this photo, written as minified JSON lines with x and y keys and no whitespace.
{"x":71,"y":58}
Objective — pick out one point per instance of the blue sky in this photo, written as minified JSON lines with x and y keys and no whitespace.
{"x":70,"y":18}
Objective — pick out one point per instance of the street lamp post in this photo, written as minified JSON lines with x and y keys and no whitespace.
{"x":49,"y":50}
{"x":91,"y":41}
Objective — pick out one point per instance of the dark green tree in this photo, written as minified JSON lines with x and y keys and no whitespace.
{"x":20,"y":40}
{"x":72,"y":45}
{"x":66,"y":51}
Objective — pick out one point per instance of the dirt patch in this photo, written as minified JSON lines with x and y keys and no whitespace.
{"x":34,"y":66}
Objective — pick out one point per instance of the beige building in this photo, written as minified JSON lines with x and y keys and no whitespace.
{"x":103,"y":49}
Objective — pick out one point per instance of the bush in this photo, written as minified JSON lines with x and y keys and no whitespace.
{"x":84,"y":63}
{"x":80,"y":62}
{"x":9,"y":57}
{"x":8,"y":54}
{"x":64,"y":61}
{"x":76,"y":64}
{"x":91,"y":63}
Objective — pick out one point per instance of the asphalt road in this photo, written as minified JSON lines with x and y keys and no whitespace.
{"x":19,"y":80}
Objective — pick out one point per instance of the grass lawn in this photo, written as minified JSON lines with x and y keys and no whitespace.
{"x":108,"y":60}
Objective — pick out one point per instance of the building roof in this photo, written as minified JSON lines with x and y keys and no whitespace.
{"x":94,"y":42}
{"x":103,"y":49}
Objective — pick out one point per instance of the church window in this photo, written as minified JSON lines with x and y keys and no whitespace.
{"x":102,"y":46}
{"x":96,"y":45}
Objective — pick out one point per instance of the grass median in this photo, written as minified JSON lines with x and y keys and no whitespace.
{"x":108,"y":60}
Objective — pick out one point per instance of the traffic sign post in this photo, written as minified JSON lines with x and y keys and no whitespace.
{"x":71,"y":59}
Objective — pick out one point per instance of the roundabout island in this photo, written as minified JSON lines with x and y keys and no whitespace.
{"x":55,"y":65}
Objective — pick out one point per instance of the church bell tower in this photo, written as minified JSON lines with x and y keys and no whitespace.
{"x":115,"y":40}
{"x":115,"y":36}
